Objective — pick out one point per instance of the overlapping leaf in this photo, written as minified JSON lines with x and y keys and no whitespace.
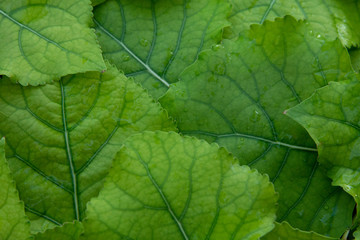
{"x":164,"y":186}
{"x":13,"y":222}
{"x":235,"y":95}
{"x":62,"y":137}
{"x":284,"y":231}
{"x":330,"y":19}
{"x":69,"y":231}
{"x":154,"y":41}
{"x":44,"y":40}
{"x":332,"y":117}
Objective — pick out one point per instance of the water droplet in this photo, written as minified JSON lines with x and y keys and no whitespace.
{"x":228,"y":57}
{"x":220,"y":68}
{"x":347,"y":188}
{"x":217,"y":47}
{"x":255,"y":116}
{"x":125,"y":57}
{"x":144,"y":42}
{"x":318,"y":36}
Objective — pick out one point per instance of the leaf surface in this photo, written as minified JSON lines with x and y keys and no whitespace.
{"x":328,"y":19}
{"x":44,"y":40}
{"x":164,"y":186}
{"x":235,"y":95}
{"x":283,"y":231}
{"x":13,"y":221}
{"x":69,"y":231}
{"x":154,"y":41}
{"x":62,"y":137}
{"x":332,"y":118}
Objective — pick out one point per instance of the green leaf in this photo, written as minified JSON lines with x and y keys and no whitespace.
{"x":235,"y":95}
{"x":97,"y":2}
{"x":164,"y":186}
{"x":62,"y":137}
{"x":13,"y":222}
{"x":355,"y":58}
{"x":43,"y":40}
{"x":154,"y":41}
{"x":283,"y":231}
{"x":332,"y":118}
{"x":69,"y":231}
{"x":328,"y":19}
{"x":357,"y":234}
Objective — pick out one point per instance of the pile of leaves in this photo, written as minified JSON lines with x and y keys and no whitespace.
{"x":179,"y":119}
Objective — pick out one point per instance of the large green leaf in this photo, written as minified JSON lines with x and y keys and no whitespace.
{"x":284,"y":231}
{"x":42,"y":40}
{"x":235,"y":95}
{"x":332,"y":117}
{"x":326,"y":18}
{"x":14,"y":224}
{"x":154,"y":41}
{"x":164,"y":186}
{"x":69,"y":231}
{"x":62,"y":137}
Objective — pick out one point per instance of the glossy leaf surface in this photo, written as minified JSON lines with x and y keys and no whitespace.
{"x":154,"y":41}
{"x":69,"y":231}
{"x":235,"y":95}
{"x":13,"y":222}
{"x":329,"y":19}
{"x":283,"y":231}
{"x":43,"y":40}
{"x":332,"y":118}
{"x":62,"y":137}
{"x":164,"y":186}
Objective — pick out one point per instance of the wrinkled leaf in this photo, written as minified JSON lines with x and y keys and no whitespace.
{"x":62,"y":137}
{"x":44,"y":40}
{"x":14,"y":224}
{"x":164,"y":186}
{"x":332,"y":118}
{"x":328,"y":19}
{"x":69,"y":231}
{"x":154,"y":41}
{"x":283,"y":231}
{"x":235,"y":95}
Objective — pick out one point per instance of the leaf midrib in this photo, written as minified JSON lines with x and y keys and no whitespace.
{"x":236,"y":134}
{"x":23,"y":26}
{"x":122,"y":44}
{"x":69,"y":155}
{"x":169,"y":208}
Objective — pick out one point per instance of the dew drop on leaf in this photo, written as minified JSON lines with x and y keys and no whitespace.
{"x":144,"y":42}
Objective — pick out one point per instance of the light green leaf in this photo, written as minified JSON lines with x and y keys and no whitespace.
{"x":62,"y":137}
{"x":43,"y":40}
{"x":164,"y":186}
{"x":283,"y":231}
{"x":14,"y":224}
{"x":97,"y":2}
{"x":235,"y":95}
{"x":328,"y":19}
{"x":69,"y":231}
{"x":332,"y":118}
{"x":154,"y":41}
{"x":357,"y":234}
